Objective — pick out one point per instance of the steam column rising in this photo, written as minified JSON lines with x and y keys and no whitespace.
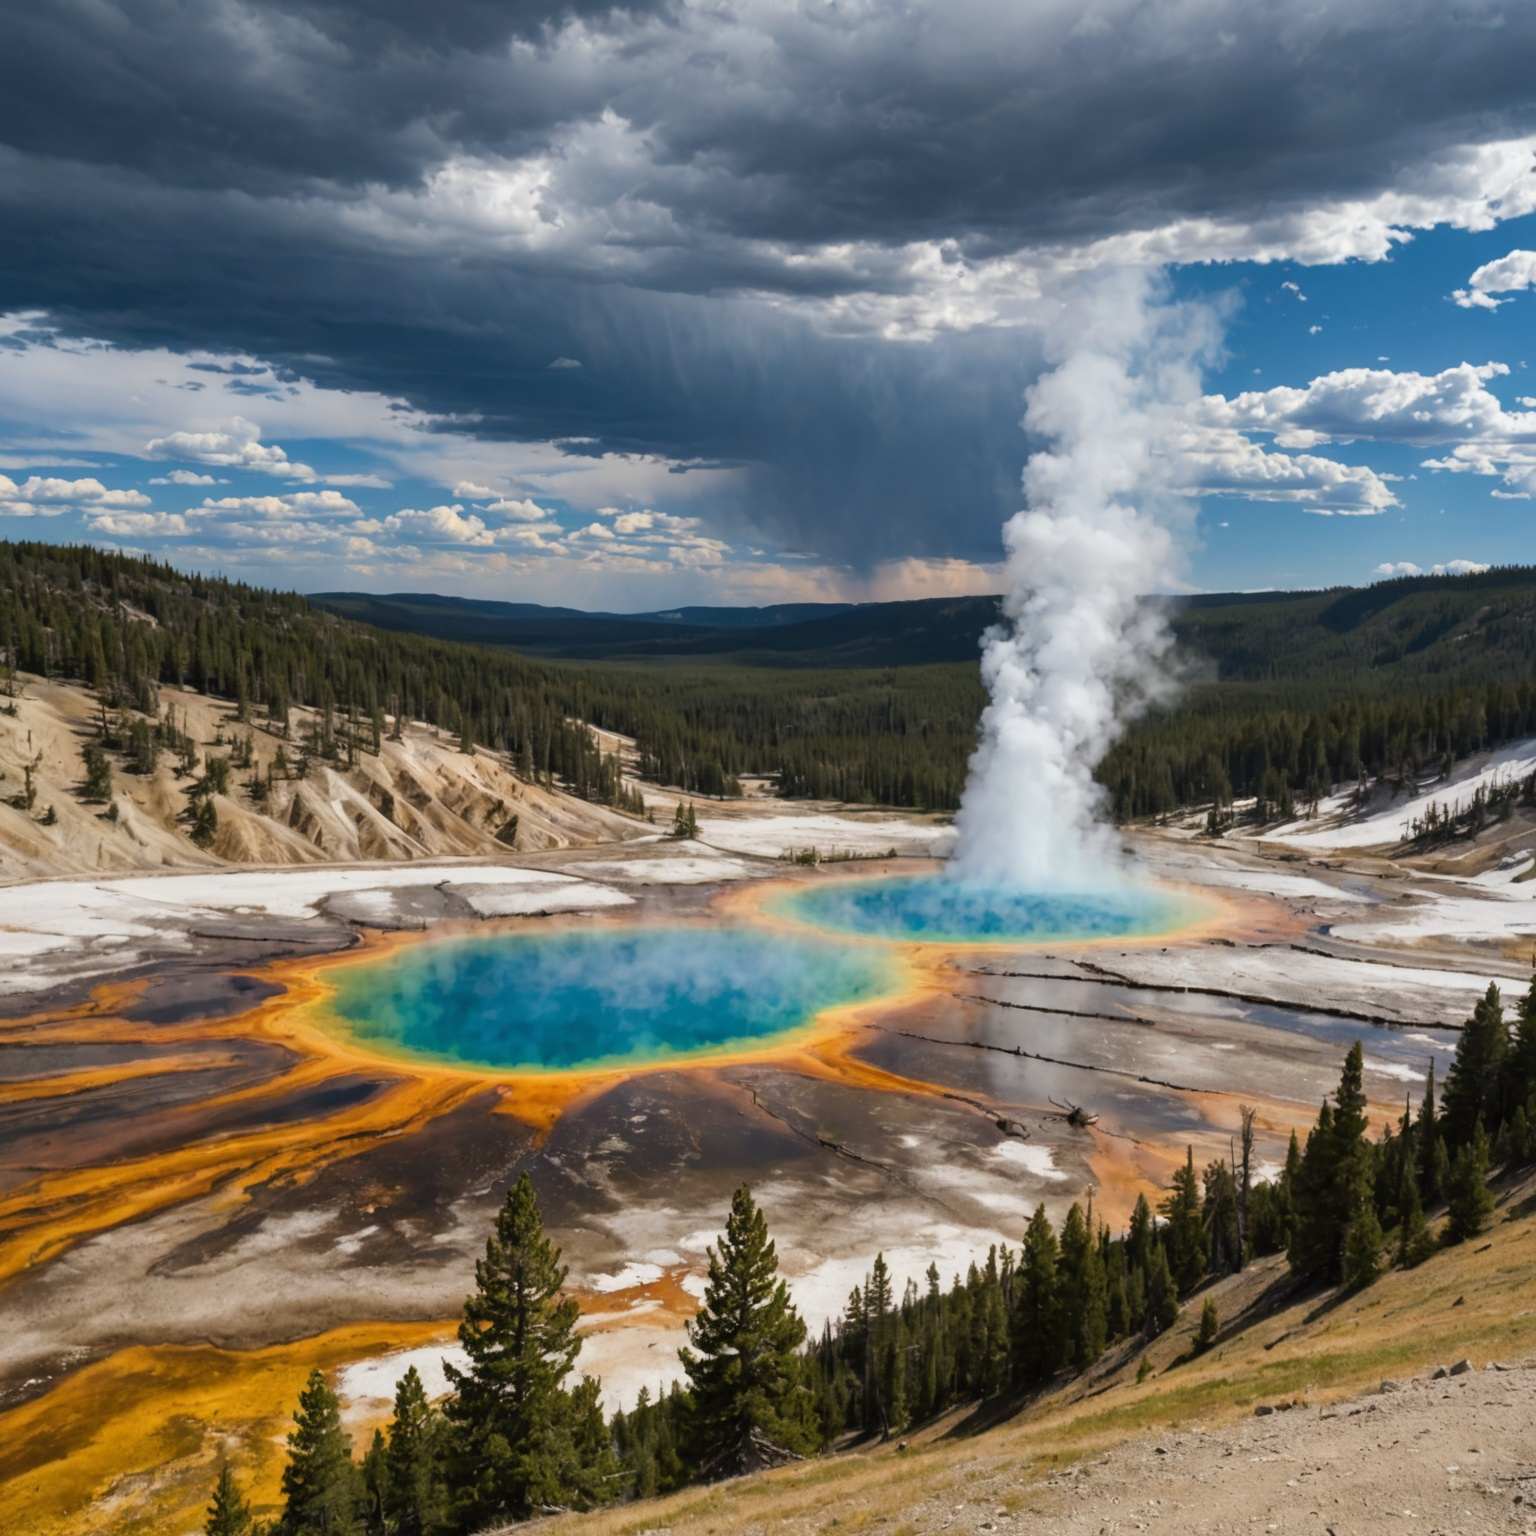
{"x":1080,"y":651}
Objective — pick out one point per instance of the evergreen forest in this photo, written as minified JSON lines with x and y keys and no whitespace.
{"x":1288,"y":696}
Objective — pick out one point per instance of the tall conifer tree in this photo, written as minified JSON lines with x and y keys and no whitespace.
{"x":1469,"y":1199}
{"x":228,"y":1514}
{"x":1037,"y":1340}
{"x":511,"y":1451}
{"x":1476,"y":1079}
{"x":320,"y":1483}
{"x":414,"y":1500}
{"x":743,"y":1366}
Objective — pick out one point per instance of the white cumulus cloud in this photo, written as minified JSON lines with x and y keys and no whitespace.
{"x":1509,"y":274}
{"x":237,"y":445}
{"x":1392,"y":568}
{"x":292,"y":504}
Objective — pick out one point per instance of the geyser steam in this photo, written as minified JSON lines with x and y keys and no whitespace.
{"x":1080,"y":650}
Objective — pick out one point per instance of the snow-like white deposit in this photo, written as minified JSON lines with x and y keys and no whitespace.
{"x":53,"y":929}
{"x":83,"y":907}
{"x":626,"y":1279}
{"x":1413,"y":994}
{"x":1038,"y":1162}
{"x":1468,"y":918}
{"x":682,"y":869}
{"x":775,"y":836}
{"x":1334,"y":828}
{"x":1263,"y":882}
{"x":523,"y":901}
{"x":623,"y":1353}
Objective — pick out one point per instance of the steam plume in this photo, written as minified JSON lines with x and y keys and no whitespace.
{"x":1079,"y":650}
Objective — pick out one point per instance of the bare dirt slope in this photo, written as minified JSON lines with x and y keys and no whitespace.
{"x":417,"y":797}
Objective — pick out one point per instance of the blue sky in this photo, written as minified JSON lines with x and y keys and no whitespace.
{"x":629,"y":308}
{"x":1393,"y":315}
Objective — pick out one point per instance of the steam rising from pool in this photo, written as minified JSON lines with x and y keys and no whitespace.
{"x":578,"y":1000}
{"x":1080,"y":649}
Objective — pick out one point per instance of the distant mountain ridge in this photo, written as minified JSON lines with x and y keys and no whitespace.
{"x":1417,"y":624}
{"x":916,"y":632}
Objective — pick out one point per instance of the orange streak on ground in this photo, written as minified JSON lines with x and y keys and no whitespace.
{"x":105,"y":997}
{"x":131,"y":1445}
{"x":41,"y":1219}
{"x":24,"y":1090}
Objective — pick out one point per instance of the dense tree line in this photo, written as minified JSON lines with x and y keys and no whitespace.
{"x":515,"y":1437}
{"x":1364,"y":707}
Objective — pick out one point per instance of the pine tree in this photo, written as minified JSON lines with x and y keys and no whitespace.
{"x":1083,"y":1291}
{"x":373,"y":1486}
{"x":1185,"y":1232}
{"x":228,"y":1514}
{"x":1117,"y":1296}
{"x":1336,"y":1177}
{"x":1414,"y":1243}
{"x":875,"y":1360}
{"x":1520,"y":1061}
{"x":992,"y":1364}
{"x":1162,"y":1293}
{"x":898,"y":1401}
{"x":1353,"y":1157}
{"x":1037,"y":1332}
{"x":1517,"y":1137}
{"x":414,"y":1501}
{"x":743,"y":1366}
{"x":1210,"y":1325}
{"x":510,"y":1436}
{"x":597,"y":1465}
{"x":320,"y":1486}
{"x":1362,"y":1247}
{"x":98,"y":773}
{"x":1469,"y":1199}
{"x":1472,"y":1089}
{"x":205,"y":824}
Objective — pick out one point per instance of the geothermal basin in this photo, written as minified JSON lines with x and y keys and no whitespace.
{"x":601,"y":1000}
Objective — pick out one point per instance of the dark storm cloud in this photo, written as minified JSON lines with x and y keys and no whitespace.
{"x":259,"y":177}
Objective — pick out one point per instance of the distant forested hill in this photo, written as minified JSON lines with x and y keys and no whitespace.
{"x":1289,"y":693}
{"x":1414,"y":625}
{"x":786,"y":635}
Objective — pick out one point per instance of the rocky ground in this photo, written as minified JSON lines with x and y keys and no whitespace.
{"x":1447,"y":1454}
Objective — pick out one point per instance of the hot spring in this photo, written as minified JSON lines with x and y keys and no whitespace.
{"x":935,"y":910}
{"x":548,"y":1002}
